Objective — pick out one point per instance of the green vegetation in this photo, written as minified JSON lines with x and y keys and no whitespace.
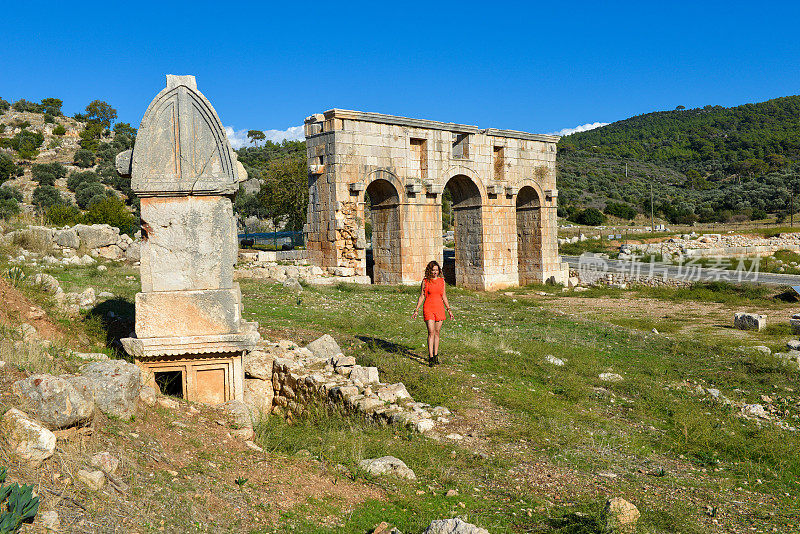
{"x":48,"y":173}
{"x":8,"y":169}
{"x":83,"y":158}
{"x":26,"y":143}
{"x":59,"y":130}
{"x":10,"y":199}
{"x":46,"y":196}
{"x":17,"y":505}
{"x":713,"y":164}
{"x":561,"y":417}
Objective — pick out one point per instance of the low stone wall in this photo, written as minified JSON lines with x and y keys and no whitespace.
{"x":310,"y":274}
{"x":272,"y":256}
{"x":721,"y":246}
{"x":97,"y":240}
{"x":283,"y":378}
{"x":599,"y":278}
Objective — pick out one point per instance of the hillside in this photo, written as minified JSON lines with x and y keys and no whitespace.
{"x":707,"y":164}
{"x":63,"y":167}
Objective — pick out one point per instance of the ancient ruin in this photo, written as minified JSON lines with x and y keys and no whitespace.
{"x":189,"y":324}
{"x":502,"y":183}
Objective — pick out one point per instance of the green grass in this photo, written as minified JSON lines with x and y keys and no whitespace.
{"x":493,"y":352}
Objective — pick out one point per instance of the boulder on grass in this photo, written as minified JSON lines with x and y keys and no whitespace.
{"x":117,"y":384}
{"x":387,"y":465}
{"x":749,"y":321}
{"x":28,"y":439}
{"x":453,"y":526}
{"x":57,"y":401}
{"x":325,"y":347}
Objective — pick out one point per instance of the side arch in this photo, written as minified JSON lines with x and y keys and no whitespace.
{"x":386,"y":175}
{"x":386,"y":264}
{"x":457,"y":170}
{"x":529,"y":218}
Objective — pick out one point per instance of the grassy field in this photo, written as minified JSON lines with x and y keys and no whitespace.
{"x":543,"y":442}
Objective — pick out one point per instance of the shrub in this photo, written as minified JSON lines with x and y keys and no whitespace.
{"x":4,"y":105}
{"x":590,"y":217}
{"x":9,"y":192}
{"x":26,"y":143}
{"x":78,"y":177}
{"x":623,"y":211}
{"x":59,"y":130}
{"x":111,"y":210}
{"x":24,"y":105}
{"x":46,"y":196}
{"x":86,"y":192}
{"x":51,"y":106}
{"x":8,"y":208}
{"x":7,"y":168}
{"x":758,"y":214}
{"x":49,"y":119}
{"x":48,"y":173}
{"x":83,"y":158}
{"x":63,"y":215}
{"x":90,"y":136}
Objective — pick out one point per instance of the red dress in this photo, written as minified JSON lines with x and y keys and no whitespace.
{"x":433,"y":309}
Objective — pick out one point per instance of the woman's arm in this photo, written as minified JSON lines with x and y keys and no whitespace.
{"x":446,"y":304}
{"x":420,"y":300}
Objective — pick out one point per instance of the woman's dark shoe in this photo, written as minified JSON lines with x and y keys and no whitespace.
{"x":436,"y":360}
{"x":431,"y":361}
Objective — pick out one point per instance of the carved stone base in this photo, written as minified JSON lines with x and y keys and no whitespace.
{"x":212,"y":379}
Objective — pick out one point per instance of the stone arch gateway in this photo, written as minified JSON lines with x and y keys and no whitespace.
{"x":490,"y":173}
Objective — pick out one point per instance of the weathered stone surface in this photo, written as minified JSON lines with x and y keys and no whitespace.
{"x":58,"y":402}
{"x":28,"y":439}
{"x":387,"y":465}
{"x":364,"y":375}
{"x":46,"y":282}
{"x":749,"y":321}
{"x":191,"y":243}
{"x":111,"y":252}
{"x":94,"y":480}
{"x":49,"y":521}
{"x":117,"y":385}
{"x":133,"y":252}
{"x":393,"y":392}
{"x":258,"y":364}
{"x":292,"y":284}
{"x":324,"y":347}
{"x":148,"y":396}
{"x":258,"y":394}
{"x":67,"y":238}
{"x":610,"y":377}
{"x":106,"y":462}
{"x":186,"y":313}
{"x":97,"y":235}
{"x":453,"y":526}
{"x":558,"y":362}
{"x":621,"y":516}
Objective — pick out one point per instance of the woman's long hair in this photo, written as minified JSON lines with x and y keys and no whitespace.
{"x":429,"y":270}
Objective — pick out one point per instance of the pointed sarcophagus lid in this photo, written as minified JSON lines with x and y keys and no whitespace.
{"x":181,"y":147}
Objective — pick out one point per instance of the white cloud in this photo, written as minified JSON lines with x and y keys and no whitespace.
{"x":238,"y":138}
{"x":582,"y":128}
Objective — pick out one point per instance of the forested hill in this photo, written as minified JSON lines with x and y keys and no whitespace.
{"x":709,"y":163}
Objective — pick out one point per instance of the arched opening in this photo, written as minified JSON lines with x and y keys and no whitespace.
{"x":529,"y":236}
{"x":463,"y":263}
{"x":381,"y":209}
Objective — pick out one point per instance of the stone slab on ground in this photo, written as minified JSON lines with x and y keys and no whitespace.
{"x":749,"y":321}
{"x":30,"y":440}
{"x":57,"y":401}
{"x":117,"y":385}
{"x":387,"y":465}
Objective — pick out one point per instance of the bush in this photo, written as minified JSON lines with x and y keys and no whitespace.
{"x":590,"y":217}
{"x":623,"y":211}
{"x":24,"y":105}
{"x":7,"y":168}
{"x":85,"y":193}
{"x":51,"y":106}
{"x":79,"y":177}
{"x":48,"y":173}
{"x":83,"y":158}
{"x":59,"y":130}
{"x":63,"y":215}
{"x":49,"y":119}
{"x":758,"y":214}
{"x":46,"y":196}
{"x":10,"y":198}
{"x":4,"y":105}
{"x":90,"y":136}
{"x":26,"y":143}
{"x":111,"y":210}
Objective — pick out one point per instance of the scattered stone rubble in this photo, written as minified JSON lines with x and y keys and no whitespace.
{"x":258,"y":264}
{"x":720,"y":246}
{"x":283,"y":378}
{"x":96,"y":240}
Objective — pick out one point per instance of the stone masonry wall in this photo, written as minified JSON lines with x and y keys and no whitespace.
{"x":348,"y":151}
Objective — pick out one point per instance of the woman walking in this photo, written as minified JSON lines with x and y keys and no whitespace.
{"x":434,"y":296}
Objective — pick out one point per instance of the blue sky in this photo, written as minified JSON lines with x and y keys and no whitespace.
{"x":533,"y":66}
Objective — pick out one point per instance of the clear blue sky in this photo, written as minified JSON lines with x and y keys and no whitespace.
{"x":533,"y":66}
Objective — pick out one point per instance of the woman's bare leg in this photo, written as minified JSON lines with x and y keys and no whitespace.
{"x":437,"y":328}
{"x":431,"y":324}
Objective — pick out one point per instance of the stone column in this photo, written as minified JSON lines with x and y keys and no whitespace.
{"x":188,"y":314}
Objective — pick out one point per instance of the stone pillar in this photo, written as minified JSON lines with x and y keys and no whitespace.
{"x":188,"y":314}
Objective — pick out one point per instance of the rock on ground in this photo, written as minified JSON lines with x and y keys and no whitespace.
{"x":621,"y":516}
{"x":610,"y":377}
{"x":293,"y":284}
{"x":49,"y":521}
{"x":453,"y":526}
{"x":105,"y":462}
{"x":117,"y":385}
{"x":258,"y":394}
{"x":387,"y":465}
{"x":258,"y":364}
{"x":239,"y":413}
{"x":558,"y":362}
{"x":749,"y":321}
{"x":94,"y":480}
{"x":324,"y":347}
{"x":58,"y":402}
{"x":29,"y":440}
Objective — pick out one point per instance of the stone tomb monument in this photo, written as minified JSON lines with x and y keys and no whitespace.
{"x":188,"y":314}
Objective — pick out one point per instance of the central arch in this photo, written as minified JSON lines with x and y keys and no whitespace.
{"x":383,"y":201}
{"x":529,"y":236}
{"x":467,"y":220}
